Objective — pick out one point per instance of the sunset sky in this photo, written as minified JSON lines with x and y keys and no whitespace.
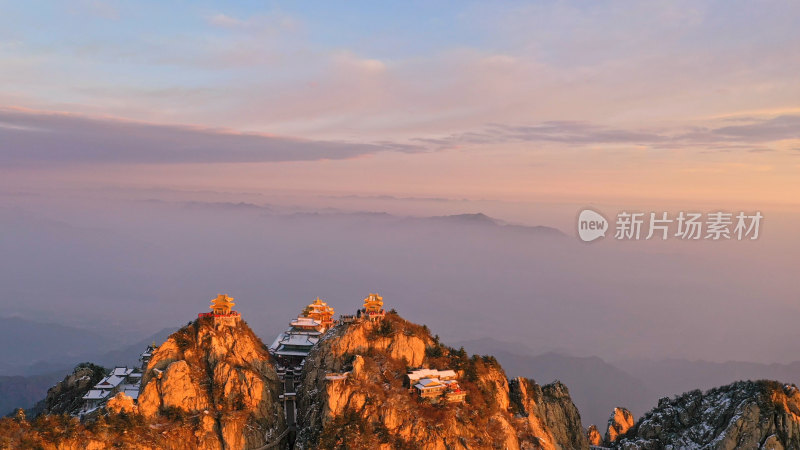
{"x":684,"y":102}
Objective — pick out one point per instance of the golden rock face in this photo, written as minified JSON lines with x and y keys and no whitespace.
{"x":222,"y":304}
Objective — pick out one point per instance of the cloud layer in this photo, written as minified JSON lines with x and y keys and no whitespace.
{"x":753,"y":131}
{"x":27,"y":137}
{"x":31,"y":137}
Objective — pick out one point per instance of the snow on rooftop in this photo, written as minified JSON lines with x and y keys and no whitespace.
{"x":430,"y":373}
{"x":110,"y":382}
{"x":300,"y":339}
{"x":305,"y":322}
{"x":132,"y":393}
{"x":428,"y":383}
{"x":121,"y":371}
{"x":96,"y":394}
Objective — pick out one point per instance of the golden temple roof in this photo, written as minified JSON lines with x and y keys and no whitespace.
{"x":222,"y":304}
{"x":318,"y":310}
{"x":373,"y":302}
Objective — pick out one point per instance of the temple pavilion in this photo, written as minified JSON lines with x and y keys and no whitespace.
{"x":222,"y":304}
{"x":222,"y":310}
{"x":321,"y":312}
{"x":373,"y":307}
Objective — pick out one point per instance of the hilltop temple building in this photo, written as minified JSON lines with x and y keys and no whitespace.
{"x":292,"y":346}
{"x":222,"y":311}
{"x":436,"y":385}
{"x":321,"y":312}
{"x":373,"y":308}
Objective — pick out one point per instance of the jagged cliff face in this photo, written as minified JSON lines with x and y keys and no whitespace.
{"x":743,"y":415}
{"x":620,"y":421}
{"x":206,"y":387}
{"x":371,"y":408}
{"x":549,"y":412}
{"x":224,"y":375}
{"x":66,"y":396}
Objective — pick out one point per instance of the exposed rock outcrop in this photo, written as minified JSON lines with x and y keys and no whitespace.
{"x":121,"y":403}
{"x":222,"y":372}
{"x":620,"y":421}
{"x":742,"y":415}
{"x":66,"y":397}
{"x":593,"y":436}
{"x":371,"y":407}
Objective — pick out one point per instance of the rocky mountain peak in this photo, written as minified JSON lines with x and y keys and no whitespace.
{"x":746,"y":414}
{"x":593,"y":436}
{"x":222,"y":371}
{"x":620,"y":421}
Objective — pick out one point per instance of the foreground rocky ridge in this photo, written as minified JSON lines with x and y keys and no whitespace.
{"x":742,"y":415}
{"x":370,"y":407}
{"x":213,"y":386}
{"x":208,"y":386}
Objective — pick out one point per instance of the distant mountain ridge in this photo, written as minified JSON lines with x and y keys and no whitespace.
{"x":595,"y":386}
{"x":481,"y":219}
{"x":476,"y":219}
{"x":23,"y":392}
{"x":675,"y":376}
{"x":48,"y":346}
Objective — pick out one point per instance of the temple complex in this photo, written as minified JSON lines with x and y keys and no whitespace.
{"x":120,"y":379}
{"x":294,"y":344}
{"x":222,"y":311}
